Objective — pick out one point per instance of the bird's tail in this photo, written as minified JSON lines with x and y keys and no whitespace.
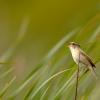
{"x":93,"y":72}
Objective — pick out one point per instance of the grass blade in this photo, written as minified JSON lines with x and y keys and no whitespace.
{"x":7,"y":86}
{"x":44,"y":83}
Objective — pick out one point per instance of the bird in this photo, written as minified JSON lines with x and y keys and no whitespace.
{"x":81,"y":58}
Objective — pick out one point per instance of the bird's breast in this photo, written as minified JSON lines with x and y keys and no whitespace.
{"x":75,"y":55}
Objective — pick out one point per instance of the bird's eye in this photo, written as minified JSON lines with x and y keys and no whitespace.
{"x":73,"y":44}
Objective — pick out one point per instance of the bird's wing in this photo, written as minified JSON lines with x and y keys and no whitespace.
{"x":88,"y":58}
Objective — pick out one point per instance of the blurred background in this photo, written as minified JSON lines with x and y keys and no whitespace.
{"x":29,"y":29}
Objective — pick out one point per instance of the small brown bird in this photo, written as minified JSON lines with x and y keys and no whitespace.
{"x":80,"y":57}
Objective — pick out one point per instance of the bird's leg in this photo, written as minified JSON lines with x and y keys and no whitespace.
{"x":86,"y":70}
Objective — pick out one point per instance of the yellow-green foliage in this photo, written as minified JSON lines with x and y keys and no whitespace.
{"x":36,"y":63}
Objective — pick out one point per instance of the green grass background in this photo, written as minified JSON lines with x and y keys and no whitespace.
{"x":35,"y":61}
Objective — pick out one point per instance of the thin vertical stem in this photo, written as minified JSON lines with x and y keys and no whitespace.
{"x":76,"y":91}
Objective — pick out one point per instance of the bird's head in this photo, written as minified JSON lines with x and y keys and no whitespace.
{"x":73,"y":45}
